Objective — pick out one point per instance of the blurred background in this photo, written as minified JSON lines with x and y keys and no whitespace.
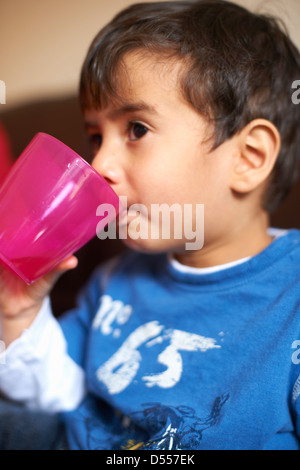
{"x":42,"y":47}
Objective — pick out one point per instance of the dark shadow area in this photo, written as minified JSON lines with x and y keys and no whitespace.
{"x":62,"y":119}
{"x":288,"y":214}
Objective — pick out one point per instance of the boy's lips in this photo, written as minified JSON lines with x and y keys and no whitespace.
{"x":128,"y":215}
{"x":125,"y":217}
{"x":122,"y":220}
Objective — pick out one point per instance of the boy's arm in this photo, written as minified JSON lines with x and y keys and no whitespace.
{"x":37,"y":371}
{"x":35,"y":368}
{"x":44,"y":366}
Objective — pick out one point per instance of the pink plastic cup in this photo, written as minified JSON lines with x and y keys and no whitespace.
{"x":48,"y":205}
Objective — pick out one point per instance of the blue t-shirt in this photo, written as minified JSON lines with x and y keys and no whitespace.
{"x":186,"y":360}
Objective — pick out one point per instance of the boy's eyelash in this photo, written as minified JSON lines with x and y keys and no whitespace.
{"x":138,"y":127}
{"x":95,"y":141}
{"x":96,"y":138}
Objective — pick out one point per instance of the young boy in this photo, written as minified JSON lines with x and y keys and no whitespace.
{"x":185,"y":103}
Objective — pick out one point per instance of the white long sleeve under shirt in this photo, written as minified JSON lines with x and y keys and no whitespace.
{"x":36,"y":369}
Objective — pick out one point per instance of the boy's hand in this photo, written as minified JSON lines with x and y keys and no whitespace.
{"x":20,"y":303}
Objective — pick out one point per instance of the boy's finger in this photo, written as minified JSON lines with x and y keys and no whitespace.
{"x":69,"y":263}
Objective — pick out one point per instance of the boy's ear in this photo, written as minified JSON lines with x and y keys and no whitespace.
{"x":258,"y":145}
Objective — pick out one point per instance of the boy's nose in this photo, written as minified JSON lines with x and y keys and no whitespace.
{"x":105,"y":164}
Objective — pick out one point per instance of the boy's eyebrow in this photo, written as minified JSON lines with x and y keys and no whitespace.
{"x":127,"y":108}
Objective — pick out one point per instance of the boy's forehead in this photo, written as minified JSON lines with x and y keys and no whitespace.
{"x":143,"y":78}
{"x":144,"y":84}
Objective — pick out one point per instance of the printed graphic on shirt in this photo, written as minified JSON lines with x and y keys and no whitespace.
{"x":118,"y":372}
{"x":182,"y":428}
{"x":168,"y":428}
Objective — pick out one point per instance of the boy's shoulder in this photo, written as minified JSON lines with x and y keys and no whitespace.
{"x":286,"y":242}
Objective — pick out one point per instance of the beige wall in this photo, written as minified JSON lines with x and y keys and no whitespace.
{"x":43,"y":43}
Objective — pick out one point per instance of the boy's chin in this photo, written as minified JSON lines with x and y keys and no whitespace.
{"x":154,"y":246}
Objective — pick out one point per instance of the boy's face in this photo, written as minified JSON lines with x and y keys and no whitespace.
{"x":154,"y":148}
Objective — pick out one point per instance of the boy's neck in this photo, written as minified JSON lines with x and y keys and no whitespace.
{"x":244,"y":240}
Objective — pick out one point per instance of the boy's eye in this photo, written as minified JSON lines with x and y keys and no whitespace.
{"x":137,"y":130}
{"x":95,"y":141}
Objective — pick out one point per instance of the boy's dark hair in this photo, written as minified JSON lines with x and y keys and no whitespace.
{"x":239,"y":66}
